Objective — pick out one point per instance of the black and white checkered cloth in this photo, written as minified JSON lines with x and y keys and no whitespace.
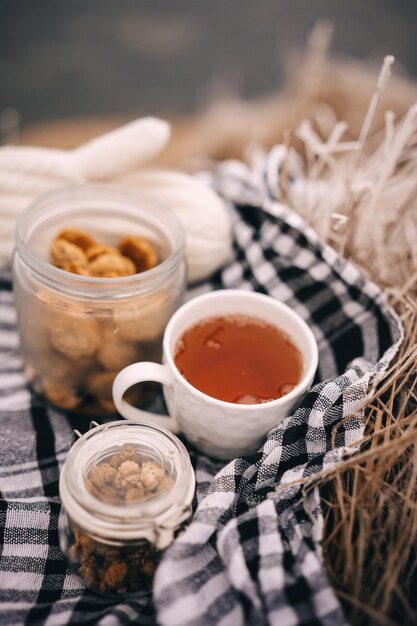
{"x":252,"y":553}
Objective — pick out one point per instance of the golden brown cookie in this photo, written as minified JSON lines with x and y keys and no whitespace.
{"x":64,"y":254}
{"x":115,"y":352}
{"x":98,"y":250}
{"x":76,"y":335}
{"x":143,"y":319}
{"x":140,"y":251}
{"x":111,"y":266}
{"x":78,"y":237}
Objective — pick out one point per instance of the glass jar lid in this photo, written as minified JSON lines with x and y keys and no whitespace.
{"x":128,"y":481}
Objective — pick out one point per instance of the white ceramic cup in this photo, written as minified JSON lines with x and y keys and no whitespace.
{"x":222,"y":429}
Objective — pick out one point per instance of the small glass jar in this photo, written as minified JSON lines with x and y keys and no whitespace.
{"x":112,"y":539}
{"x":78,"y":331}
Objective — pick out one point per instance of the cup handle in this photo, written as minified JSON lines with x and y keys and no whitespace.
{"x":137,"y":373}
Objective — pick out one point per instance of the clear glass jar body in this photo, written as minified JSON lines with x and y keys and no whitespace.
{"x":77,"y":331}
{"x":114,"y":547}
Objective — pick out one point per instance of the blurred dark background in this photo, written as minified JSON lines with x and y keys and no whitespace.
{"x":78,"y":58}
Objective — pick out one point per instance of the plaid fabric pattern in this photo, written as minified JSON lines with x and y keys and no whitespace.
{"x":252,"y":553}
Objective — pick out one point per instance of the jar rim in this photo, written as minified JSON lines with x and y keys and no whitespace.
{"x":89,"y":285}
{"x":135,"y":520}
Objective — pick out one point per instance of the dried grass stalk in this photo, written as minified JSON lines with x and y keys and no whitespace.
{"x":361,"y":196}
{"x":370,"y":502}
{"x":373,"y":194}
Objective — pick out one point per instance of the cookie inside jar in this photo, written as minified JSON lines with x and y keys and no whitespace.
{"x":75,"y":350}
{"x":97,"y":276}
{"x":78,"y":252}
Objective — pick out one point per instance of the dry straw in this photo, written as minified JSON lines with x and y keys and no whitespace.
{"x":361,"y":196}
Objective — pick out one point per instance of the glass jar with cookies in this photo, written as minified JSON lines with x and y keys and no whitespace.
{"x":97,"y":273}
{"x":126,"y":490}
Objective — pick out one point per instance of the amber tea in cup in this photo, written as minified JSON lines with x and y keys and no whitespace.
{"x":273,"y":346}
{"x":238,"y":358}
